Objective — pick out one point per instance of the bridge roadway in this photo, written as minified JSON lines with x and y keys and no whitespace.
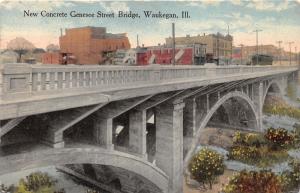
{"x":50,"y":101}
{"x":53,"y":88}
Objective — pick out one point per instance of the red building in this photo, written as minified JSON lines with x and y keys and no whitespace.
{"x":87,"y":45}
{"x":184,"y":55}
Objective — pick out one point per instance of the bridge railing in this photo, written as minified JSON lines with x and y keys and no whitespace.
{"x":19,"y":80}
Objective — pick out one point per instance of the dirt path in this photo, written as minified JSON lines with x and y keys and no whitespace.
{"x":216,"y":187}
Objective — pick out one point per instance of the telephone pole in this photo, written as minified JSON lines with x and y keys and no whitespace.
{"x":173,"y":36}
{"x":218,"y":49}
{"x":242,"y":45}
{"x":137,"y":41}
{"x":230,"y":38}
{"x":296,"y":56}
{"x":290,"y":45}
{"x":257,"y":30}
{"x":279,"y":43}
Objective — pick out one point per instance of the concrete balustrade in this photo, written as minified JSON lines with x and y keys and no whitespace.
{"x":19,"y":80}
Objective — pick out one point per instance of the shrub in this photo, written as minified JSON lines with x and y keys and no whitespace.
{"x":296,"y":135}
{"x":239,"y":138}
{"x":254,"y":139}
{"x":206,"y":165}
{"x":291,"y":179}
{"x":36,"y":182}
{"x":254,"y":182}
{"x":249,"y":139}
{"x":279,"y":138}
{"x":244,"y":153}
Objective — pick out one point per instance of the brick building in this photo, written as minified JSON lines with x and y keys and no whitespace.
{"x":216,"y":44}
{"x":184,"y":55}
{"x":88,"y":45}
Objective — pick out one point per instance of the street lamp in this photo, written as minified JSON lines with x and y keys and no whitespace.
{"x":290,"y":44}
{"x":257,"y":30}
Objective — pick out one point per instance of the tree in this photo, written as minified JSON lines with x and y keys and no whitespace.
{"x":20,"y":45}
{"x":206,"y":165}
{"x":52,"y":48}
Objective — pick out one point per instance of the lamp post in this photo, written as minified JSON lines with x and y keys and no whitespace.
{"x":257,"y":30}
{"x":279,"y":43}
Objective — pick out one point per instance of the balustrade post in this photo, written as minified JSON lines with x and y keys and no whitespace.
{"x":16,"y":81}
{"x":211,"y":71}
{"x":155,"y":73}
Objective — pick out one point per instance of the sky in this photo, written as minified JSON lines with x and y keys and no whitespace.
{"x":278,"y":20}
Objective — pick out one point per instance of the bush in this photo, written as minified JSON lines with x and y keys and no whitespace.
{"x":36,"y":182}
{"x":291,"y":179}
{"x":239,"y":138}
{"x":249,"y":139}
{"x":296,"y":135}
{"x":206,"y":165}
{"x":244,"y":153}
{"x":254,"y":182}
{"x":279,"y":138}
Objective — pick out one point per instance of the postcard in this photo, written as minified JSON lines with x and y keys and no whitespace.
{"x":150,"y":96}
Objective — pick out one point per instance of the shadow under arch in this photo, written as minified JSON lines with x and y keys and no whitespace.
{"x":272,"y":87}
{"x":85,"y":155}
{"x":243,"y":98}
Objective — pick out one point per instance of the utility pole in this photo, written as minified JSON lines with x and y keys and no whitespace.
{"x":279,"y":43}
{"x":137,"y":41}
{"x":230,"y":43}
{"x":242,"y":45}
{"x":290,"y":45}
{"x":173,"y":34}
{"x":218,"y":49}
{"x":257,"y":30}
{"x":296,"y":56}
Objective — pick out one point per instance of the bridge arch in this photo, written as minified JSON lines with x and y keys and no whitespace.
{"x":63,"y":156}
{"x":273,"y":86}
{"x":243,"y":99}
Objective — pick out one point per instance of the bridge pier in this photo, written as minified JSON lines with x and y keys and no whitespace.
{"x":258,"y":97}
{"x":53,"y":139}
{"x":169,"y":143}
{"x":103,"y":128}
{"x":189,"y":123}
{"x":137,"y":132}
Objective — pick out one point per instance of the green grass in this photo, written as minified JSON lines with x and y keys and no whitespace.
{"x":281,"y":109}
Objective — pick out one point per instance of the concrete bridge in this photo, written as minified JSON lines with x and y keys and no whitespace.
{"x":146,"y":120}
